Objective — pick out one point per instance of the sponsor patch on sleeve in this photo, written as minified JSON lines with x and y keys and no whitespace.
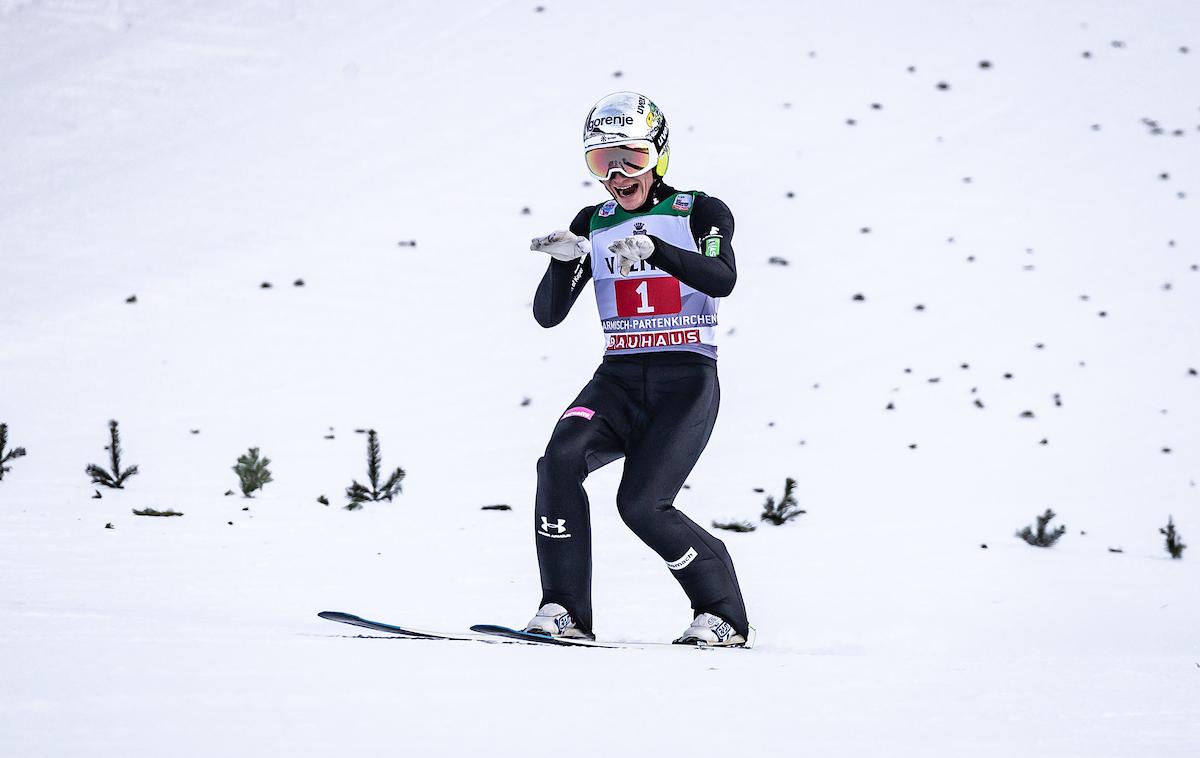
{"x":608,"y":209}
{"x":712,"y":246}
{"x":682,"y":202}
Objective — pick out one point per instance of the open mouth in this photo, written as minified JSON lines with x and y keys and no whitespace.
{"x":626,"y":191}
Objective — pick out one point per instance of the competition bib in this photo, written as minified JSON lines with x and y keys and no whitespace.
{"x":649,"y":311}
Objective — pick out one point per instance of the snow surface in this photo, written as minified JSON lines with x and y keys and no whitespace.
{"x":187,"y":152}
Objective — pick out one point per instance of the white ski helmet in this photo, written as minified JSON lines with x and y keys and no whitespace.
{"x":626,"y":119}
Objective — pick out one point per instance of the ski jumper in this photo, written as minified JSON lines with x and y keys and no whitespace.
{"x":653,"y":400}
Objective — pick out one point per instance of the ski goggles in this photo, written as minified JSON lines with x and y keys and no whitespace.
{"x":630,"y":158}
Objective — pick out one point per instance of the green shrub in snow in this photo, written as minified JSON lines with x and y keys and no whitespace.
{"x":359,"y":494}
{"x":734,"y":526}
{"x":787,"y":508}
{"x":155,"y":512}
{"x":252,"y":471}
{"x":11,"y":455}
{"x":1042,"y":538}
{"x":1174,"y":545}
{"x":115,"y":478}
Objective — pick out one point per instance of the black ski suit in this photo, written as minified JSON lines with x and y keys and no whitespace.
{"x":656,"y":410}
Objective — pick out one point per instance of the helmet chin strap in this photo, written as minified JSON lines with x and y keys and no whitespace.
{"x":652,"y":193}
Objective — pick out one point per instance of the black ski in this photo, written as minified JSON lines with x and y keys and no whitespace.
{"x":487,"y":632}
{"x":539,"y":639}
{"x":379,"y":626}
{"x":494,"y":633}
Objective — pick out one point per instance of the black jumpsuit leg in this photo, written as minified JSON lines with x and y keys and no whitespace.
{"x":578,"y":446}
{"x":660,"y":417}
{"x":682,"y":402}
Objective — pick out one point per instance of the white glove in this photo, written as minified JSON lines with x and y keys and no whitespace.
{"x":563,"y":246}
{"x":631,"y":250}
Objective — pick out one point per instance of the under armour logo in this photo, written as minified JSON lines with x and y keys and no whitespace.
{"x":558,"y":528}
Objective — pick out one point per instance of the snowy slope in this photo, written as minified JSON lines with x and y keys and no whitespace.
{"x":1029,"y":236}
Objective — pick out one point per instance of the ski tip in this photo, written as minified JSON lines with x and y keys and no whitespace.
{"x":493,"y":629}
{"x":336,"y":615}
{"x":531,"y":637}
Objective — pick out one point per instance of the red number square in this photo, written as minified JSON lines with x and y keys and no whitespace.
{"x":648,"y":297}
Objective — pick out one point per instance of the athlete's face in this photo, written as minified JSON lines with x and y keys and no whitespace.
{"x":630,"y":193}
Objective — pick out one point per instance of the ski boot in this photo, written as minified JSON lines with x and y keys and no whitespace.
{"x":552,"y":620}
{"x":708,"y":630}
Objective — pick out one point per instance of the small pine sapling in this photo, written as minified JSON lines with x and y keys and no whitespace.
{"x":1042,"y":538}
{"x":1175,"y":545}
{"x":116,"y":478}
{"x":11,"y":455}
{"x":787,"y":508}
{"x":359,"y":494}
{"x":252,"y":471}
{"x":734,"y":526}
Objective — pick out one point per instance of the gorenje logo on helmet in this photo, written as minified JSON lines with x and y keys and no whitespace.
{"x":621,"y":120}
